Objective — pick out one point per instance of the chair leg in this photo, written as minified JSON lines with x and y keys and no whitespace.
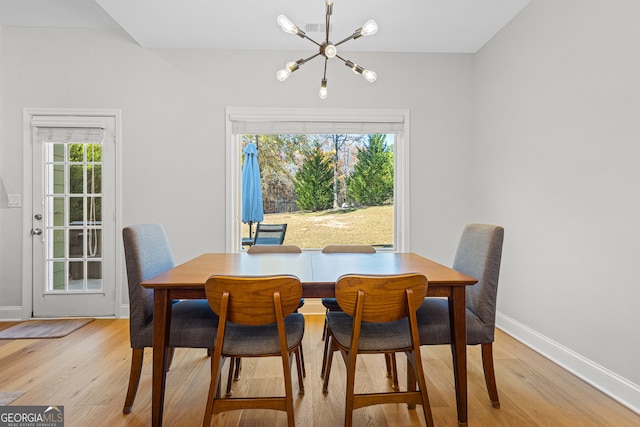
{"x":351,"y":378}
{"x":489,"y":374}
{"x":170,"y":352}
{"x":392,"y":370}
{"x":327,"y":366}
{"x":232,"y":369}
{"x":324,"y":329}
{"x":301,"y":356}
{"x":415,"y":374}
{"x":236,"y":376}
{"x":214,"y":387}
{"x":300,"y":369}
{"x":288,"y":387}
{"x":325,"y":354}
{"x":134,"y":378}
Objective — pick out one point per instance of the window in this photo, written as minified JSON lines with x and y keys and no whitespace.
{"x":348,"y":128}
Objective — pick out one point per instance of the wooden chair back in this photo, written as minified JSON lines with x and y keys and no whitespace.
{"x":252,"y":300}
{"x":274,"y":249}
{"x":383,"y":298}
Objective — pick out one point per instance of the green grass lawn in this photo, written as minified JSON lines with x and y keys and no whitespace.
{"x":313,"y":230}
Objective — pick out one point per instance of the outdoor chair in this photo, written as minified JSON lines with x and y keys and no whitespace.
{"x":378,"y":316}
{"x":257,"y":319}
{"x":478,"y":255}
{"x":193,"y":323}
{"x":269,"y":234}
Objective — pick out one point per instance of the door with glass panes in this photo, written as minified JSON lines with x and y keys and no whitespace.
{"x":73,"y":227}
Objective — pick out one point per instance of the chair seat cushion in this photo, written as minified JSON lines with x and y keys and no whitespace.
{"x":331,"y":304}
{"x":434,"y":328}
{"x":373,"y":336}
{"x":243,"y":340}
{"x":193,"y":325}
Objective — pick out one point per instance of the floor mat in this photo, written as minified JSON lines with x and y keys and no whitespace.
{"x":7,"y":397}
{"x":43,"y":329}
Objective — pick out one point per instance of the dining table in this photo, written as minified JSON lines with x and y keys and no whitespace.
{"x":318,"y":273}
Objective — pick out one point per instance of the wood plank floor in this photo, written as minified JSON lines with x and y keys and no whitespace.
{"x":87,"y":372}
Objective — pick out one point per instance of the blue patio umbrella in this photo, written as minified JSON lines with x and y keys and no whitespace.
{"x":252,"y":209}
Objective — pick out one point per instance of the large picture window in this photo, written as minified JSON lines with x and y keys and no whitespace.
{"x":335,"y":176}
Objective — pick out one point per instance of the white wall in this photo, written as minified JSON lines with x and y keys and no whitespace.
{"x":557,"y":144}
{"x":173,"y":104}
{"x":543,"y":134}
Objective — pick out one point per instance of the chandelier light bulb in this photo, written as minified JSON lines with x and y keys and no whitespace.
{"x":323,"y":89}
{"x":289,"y":68}
{"x":329,"y":2}
{"x":283,"y":74}
{"x":371,"y":76}
{"x":369,"y":28}
{"x":286,"y":25}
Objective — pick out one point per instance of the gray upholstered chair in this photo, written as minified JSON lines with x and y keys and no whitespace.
{"x":478,"y":255}
{"x":257,"y":319}
{"x":378,"y":316}
{"x":193,"y":323}
{"x":235,"y":364}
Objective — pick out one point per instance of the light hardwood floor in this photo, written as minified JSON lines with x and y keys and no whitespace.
{"x":87,"y":373}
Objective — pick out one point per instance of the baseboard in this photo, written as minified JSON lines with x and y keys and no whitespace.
{"x":615,"y":386}
{"x":11,"y":313}
{"x":123,"y":311}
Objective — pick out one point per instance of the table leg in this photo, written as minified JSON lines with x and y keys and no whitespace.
{"x":458,"y":318}
{"x":161,"y":328}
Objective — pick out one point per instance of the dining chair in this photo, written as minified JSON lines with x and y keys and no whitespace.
{"x":235,"y":364}
{"x":274,"y":249}
{"x":378,"y":316}
{"x":269,"y":234}
{"x":478,"y":255}
{"x":330,"y":304}
{"x":193,"y":323}
{"x":257,"y":319}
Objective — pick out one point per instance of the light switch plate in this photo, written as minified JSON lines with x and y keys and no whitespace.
{"x":15,"y":200}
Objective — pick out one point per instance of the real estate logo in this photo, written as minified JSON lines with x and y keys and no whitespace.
{"x":31,"y":416}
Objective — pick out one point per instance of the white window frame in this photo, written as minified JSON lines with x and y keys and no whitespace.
{"x":401,"y":204}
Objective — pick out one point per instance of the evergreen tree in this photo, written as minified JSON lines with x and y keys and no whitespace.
{"x":371,"y":182}
{"x":314,"y":182}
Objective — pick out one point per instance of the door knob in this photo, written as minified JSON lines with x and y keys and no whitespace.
{"x":36,"y":232}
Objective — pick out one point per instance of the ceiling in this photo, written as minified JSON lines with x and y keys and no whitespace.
{"x":460,"y":26}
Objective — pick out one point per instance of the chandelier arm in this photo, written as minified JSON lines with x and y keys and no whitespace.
{"x":352,"y":36}
{"x":311,"y":40}
{"x":328,"y":22}
{"x":324,"y":76}
{"x":341,"y":58}
{"x":308,"y":59}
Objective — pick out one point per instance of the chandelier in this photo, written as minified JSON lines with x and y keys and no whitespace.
{"x":327,"y":49}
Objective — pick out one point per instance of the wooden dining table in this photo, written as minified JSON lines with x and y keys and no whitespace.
{"x":318,"y":273}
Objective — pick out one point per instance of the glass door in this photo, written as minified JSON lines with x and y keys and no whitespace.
{"x":73,"y":238}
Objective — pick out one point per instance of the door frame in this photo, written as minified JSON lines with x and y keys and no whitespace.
{"x":27,"y":205}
